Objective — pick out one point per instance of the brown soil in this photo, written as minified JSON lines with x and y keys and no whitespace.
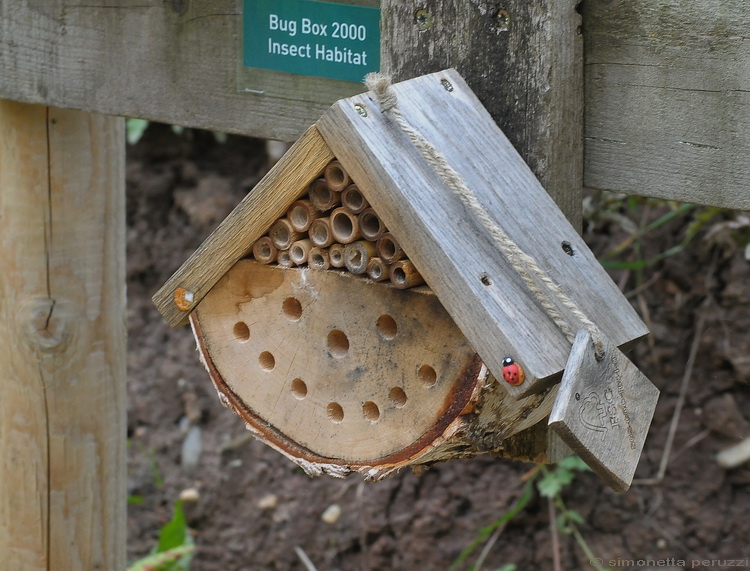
{"x":255,"y":507}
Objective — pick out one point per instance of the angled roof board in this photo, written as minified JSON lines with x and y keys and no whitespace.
{"x":451,"y":249}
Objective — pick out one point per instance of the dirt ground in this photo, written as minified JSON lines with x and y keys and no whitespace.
{"x":254,"y":506}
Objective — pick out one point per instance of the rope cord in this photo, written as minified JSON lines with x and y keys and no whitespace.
{"x":524,"y":265}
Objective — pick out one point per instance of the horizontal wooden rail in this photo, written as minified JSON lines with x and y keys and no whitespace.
{"x":666,"y":96}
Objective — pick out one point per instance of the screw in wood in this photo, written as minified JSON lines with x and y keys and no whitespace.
{"x":447,"y":85}
{"x":422,"y":19}
{"x":360,"y":109}
{"x":183,"y":299}
{"x":503,"y":20}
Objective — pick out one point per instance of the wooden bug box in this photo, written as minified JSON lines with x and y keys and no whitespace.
{"x":359,"y":318}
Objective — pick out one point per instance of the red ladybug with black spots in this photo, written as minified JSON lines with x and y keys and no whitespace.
{"x":513,"y":372}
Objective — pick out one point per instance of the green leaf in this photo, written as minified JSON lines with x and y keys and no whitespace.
{"x":485,"y":532}
{"x":574,"y":517}
{"x":508,"y":567}
{"x":175,"y":532}
{"x":554,"y":481}
{"x":134,"y":500}
{"x":134,"y":129}
{"x":165,"y":561}
{"x":574,"y":463}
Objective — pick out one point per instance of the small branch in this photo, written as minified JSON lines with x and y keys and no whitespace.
{"x":557,"y":565}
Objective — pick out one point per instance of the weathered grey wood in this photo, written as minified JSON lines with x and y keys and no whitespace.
{"x":668,"y":99}
{"x":174,"y":62}
{"x":603,"y":410}
{"x":234,"y":237}
{"x":456,"y":256}
{"x":524,"y":62}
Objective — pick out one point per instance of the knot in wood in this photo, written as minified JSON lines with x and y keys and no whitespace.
{"x":46,"y":325}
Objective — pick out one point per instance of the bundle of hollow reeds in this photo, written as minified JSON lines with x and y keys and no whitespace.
{"x":333,"y":227}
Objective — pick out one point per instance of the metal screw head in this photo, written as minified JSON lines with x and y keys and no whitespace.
{"x":503,"y":20}
{"x":360,"y":109}
{"x":422,"y":19}
{"x":447,"y":85}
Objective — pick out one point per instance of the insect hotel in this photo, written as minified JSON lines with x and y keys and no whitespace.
{"x":357,"y":312}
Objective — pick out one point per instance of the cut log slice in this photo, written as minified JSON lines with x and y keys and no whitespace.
{"x":337,"y":372}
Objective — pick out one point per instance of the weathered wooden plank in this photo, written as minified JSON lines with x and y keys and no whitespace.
{"x":454,"y":253}
{"x":234,"y":237}
{"x":62,"y":339}
{"x":174,"y":62}
{"x":668,"y":99}
{"x":523,"y":60}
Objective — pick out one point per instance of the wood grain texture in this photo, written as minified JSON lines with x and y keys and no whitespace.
{"x":529,"y":77}
{"x":62,"y":339}
{"x":668,"y":99}
{"x":603,"y":410}
{"x":174,"y":62}
{"x":453,"y":252}
{"x":234,"y":237}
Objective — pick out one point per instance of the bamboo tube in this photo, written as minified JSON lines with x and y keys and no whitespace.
{"x":300,"y":251}
{"x":336,"y":176}
{"x":319,"y":258}
{"x":357,"y":255}
{"x":336,"y":255}
{"x":344,"y":226}
{"x":322,"y":197}
{"x":388,"y":249}
{"x":264,"y":250}
{"x":404,"y":275}
{"x":378,"y":270}
{"x":284,"y":259}
{"x":282,"y":234}
{"x":301,"y":215}
{"x":353,"y":199}
{"x":370,"y":225}
{"x":320,"y":232}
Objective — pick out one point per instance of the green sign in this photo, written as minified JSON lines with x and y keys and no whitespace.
{"x":306,"y":37}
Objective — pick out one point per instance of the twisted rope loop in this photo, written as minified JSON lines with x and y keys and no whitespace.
{"x":524,"y":265}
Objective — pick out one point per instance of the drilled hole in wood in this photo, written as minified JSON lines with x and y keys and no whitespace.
{"x":397,"y":396}
{"x":567,"y":248}
{"x":299,"y":389}
{"x":386,"y":326}
{"x":335,"y":412}
{"x":292,"y":308}
{"x":427,"y":376}
{"x":338,"y":343}
{"x":267,"y":361}
{"x":241,"y":331}
{"x":371,"y":411}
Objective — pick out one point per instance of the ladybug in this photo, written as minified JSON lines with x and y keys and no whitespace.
{"x":513,"y":372}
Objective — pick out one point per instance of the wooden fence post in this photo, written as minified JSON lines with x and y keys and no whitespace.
{"x":524,"y":61}
{"x":62,"y":339}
